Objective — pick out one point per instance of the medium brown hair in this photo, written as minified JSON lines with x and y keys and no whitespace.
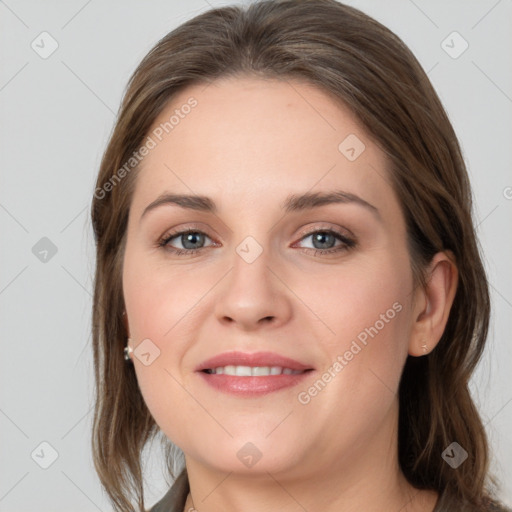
{"x":366,"y":67}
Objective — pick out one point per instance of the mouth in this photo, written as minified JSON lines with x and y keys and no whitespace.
{"x":253,"y":371}
{"x":252,"y":375}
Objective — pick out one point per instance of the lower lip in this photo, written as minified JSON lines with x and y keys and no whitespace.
{"x":252,"y":386}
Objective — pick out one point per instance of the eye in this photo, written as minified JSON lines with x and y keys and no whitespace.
{"x":189,"y":239}
{"x":324,"y":241}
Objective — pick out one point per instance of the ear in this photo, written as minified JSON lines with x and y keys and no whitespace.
{"x":432,"y":304}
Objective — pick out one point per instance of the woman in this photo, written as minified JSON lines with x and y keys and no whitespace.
{"x":259,"y":152}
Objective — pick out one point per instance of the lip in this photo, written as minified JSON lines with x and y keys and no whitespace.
{"x":252,"y":386}
{"x":236,"y":358}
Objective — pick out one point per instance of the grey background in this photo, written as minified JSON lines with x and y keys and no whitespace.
{"x":56,"y":115}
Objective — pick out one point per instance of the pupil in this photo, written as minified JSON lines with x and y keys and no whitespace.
{"x":320,"y":237}
{"x":190,"y":238}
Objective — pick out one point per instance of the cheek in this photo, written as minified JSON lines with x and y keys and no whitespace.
{"x":368,"y":311}
{"x":163,"y":306}
{"x":366,"y":308}
{"x":366,"y":293}
{"x":155,"y":303}
{"x":159,"y":301}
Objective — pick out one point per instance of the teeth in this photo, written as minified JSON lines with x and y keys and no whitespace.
{"x":260,"y":370}
{"x":253,"y":371}
{"x":243,"y":371}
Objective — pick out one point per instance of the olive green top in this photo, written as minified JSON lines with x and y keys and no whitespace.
{"x":176,"y":497}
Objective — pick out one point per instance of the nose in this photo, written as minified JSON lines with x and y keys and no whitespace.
{"x":253,"y":295}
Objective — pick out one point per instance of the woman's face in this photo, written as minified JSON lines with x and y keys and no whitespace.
{"x":325,"y":283}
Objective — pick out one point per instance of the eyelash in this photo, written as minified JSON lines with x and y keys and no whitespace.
{"x":347,"y":242}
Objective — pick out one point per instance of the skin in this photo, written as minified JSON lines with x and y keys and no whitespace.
{"x":247,"y":145}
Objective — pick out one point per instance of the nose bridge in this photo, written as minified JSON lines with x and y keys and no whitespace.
{"x":251,"y":291}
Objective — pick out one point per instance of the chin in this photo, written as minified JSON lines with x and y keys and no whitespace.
{"x":247,"y":455}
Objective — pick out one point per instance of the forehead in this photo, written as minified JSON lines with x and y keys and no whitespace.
{"x":252,"y":138}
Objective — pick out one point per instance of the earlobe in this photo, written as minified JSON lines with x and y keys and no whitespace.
{"x":434,"y":310}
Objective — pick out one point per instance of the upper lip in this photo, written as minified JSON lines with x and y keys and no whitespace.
{"x":251,"y":359}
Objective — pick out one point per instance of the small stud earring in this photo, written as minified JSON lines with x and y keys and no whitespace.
{"x":128,"y":350}
{"x":424,"y":346}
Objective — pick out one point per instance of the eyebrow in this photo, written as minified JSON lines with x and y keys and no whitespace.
{"x":293,"y":203}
